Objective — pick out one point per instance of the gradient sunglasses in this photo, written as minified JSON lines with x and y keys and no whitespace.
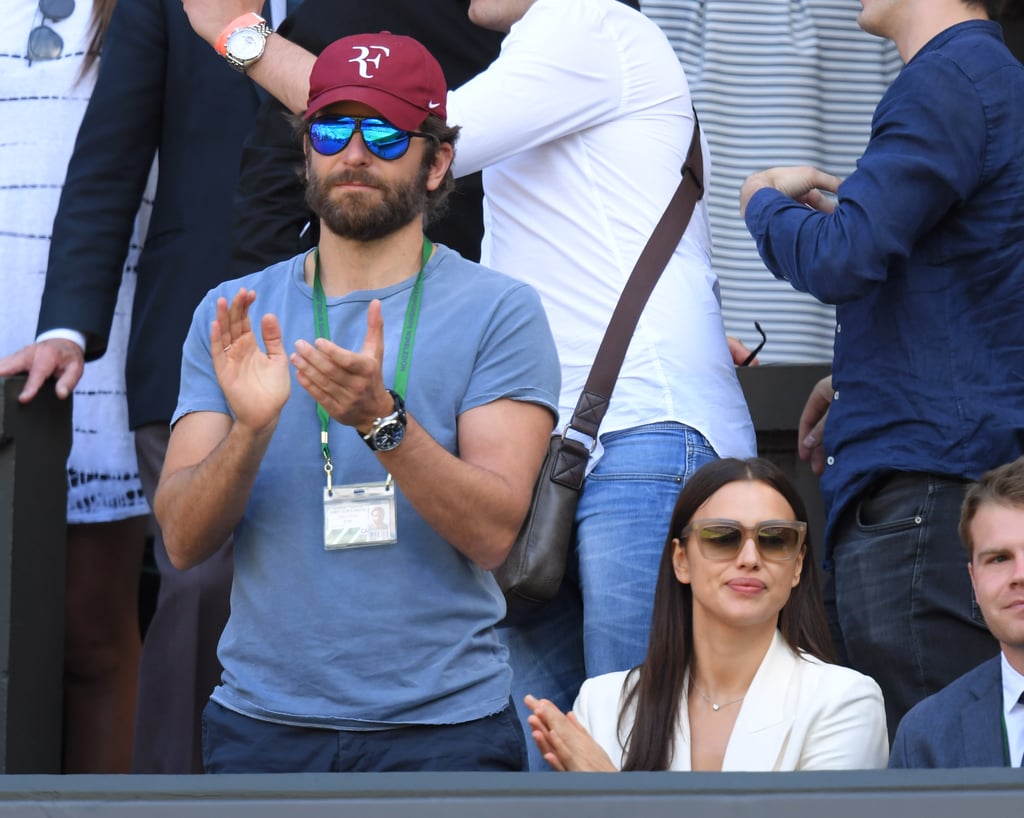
{"x":329,"y":135}
{"x":720,"y":540}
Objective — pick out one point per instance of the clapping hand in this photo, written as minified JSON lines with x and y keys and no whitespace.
{"x":563,"y":741}
{"x":255,"y":383}
{"x":347,"y":383}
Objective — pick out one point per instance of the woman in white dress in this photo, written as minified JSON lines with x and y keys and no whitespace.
{"x":48,"y":54}
{"x":738,"y":673}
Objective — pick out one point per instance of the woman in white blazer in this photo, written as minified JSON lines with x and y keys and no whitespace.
{"x":738,"y":673}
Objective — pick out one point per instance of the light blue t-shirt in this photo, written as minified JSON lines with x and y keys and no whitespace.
{"x":373,"y":637}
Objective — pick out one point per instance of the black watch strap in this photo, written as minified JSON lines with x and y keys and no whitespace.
{"x":397,"y":416}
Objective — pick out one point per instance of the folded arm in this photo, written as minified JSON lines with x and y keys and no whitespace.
{"x":919,"y":166}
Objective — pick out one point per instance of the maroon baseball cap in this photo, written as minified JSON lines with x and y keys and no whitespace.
{"x":391,"y":73}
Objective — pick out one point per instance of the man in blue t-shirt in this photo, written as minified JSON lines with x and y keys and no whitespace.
{"x":374,"y":458}
{"x":923,"y":255}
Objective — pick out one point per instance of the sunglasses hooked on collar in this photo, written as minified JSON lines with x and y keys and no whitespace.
{"x":720,"y":540}
{"x":330,"y":135}
{"x":43,"y":42}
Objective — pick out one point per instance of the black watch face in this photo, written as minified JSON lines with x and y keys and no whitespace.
{"x":388,"y":436}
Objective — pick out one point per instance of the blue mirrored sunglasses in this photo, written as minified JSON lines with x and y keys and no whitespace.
{"x":330,"y":135}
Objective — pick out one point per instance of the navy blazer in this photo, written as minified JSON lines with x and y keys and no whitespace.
{"x":161,"y":91}
{"x":960,"y":726}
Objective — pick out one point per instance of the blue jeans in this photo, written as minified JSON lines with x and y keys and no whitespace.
{"x":904,"y":606}
{"x":600,"y":620}
{"x":233,"y":743}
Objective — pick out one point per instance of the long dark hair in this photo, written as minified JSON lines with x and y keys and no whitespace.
{"x":98,"y":22}
{"x":660,"y":679}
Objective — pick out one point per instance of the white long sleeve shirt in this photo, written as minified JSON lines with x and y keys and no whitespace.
{"x":581,"y":127}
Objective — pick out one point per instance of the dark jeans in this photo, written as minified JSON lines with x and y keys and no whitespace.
{"x":233,"y":743}
{"x":904,"y":610}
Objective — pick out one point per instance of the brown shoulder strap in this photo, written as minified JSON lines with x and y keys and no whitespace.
{"x":593,"y":402}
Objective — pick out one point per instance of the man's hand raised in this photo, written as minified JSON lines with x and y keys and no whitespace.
{"x":256,"y":384}
{"x":348,"y":384}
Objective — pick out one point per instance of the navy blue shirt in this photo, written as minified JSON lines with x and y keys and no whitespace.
{"x":924,"y":258}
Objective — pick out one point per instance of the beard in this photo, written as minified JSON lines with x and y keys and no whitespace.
{"x":366,"y":215}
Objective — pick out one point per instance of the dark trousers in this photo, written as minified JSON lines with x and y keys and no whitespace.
{"x":233,"y":743}
{"x":179,"y":666}
{"x":904,"y":611}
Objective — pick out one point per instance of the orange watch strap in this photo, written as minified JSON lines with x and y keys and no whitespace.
{"x":250,"y":18}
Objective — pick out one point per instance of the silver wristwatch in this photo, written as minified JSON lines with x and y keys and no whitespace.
{"x":245,"y":44}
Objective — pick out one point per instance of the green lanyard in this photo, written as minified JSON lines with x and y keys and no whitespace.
{"x":412,"y":317}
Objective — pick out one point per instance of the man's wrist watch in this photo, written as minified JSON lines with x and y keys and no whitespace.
{"x":387,"y":432}
{"x":242,"y":42}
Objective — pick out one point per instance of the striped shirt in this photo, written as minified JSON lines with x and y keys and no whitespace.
{"x":775,"y":82}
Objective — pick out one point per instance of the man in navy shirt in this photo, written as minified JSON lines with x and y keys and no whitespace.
{"x":923,"y":255}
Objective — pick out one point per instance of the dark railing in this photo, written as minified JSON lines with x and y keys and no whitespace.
{"x":992,"y":793}
{"x":34,"y":443}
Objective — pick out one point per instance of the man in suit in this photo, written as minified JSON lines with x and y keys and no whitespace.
{"x":978,"y":720}
{"x":160,"y":92}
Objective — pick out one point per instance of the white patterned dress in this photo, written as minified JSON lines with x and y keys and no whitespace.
{"x":41,"y":107}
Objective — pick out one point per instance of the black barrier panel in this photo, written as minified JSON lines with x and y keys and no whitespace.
{"x":34,"y":443}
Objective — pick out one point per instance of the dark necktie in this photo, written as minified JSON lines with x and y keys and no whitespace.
{"x":1021,"y":701}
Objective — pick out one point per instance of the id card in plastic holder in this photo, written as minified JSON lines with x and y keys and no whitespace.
{"x":360,"y":516}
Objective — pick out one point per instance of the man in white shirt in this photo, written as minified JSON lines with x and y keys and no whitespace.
{"x":581,"y":127}
{"x":978,"y":720}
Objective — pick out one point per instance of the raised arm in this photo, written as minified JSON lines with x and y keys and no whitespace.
{"x":283,"y":70}
{"x":212,"y":458}
{"x":475,"y":500}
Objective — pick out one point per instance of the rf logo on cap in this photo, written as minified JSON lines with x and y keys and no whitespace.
{"x":393,"y":74}
{"x":364,"y":59}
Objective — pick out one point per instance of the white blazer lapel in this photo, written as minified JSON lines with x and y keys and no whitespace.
{"x":767,"y":714}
